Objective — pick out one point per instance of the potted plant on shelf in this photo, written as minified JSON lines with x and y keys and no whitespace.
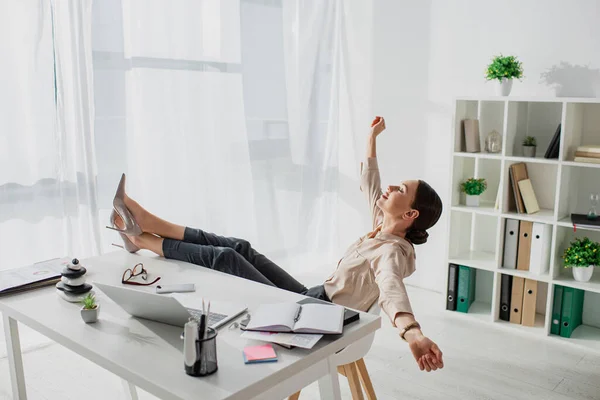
{"x":581,"y":256}
{"x":529,"y":146}
{"x":473,"y":187}
{"x":90,"y":309}
{"x":504,"y":70}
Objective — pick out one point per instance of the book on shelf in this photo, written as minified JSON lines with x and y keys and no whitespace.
{"x":554,"y":146}
{"x":518,"y":172}
{"x":592,"y":148}
{"x":528,"y":195}
{"x":589,"y":160}
{"x":471,"y":132}
{"x":587,"y":154}
{"x":581,"y":220}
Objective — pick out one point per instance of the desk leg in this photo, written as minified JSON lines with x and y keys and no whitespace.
{"x":15,"y":360}
{"x":329,"y":385}
{"x":130,"y":390}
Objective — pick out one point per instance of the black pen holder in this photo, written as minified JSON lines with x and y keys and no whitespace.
{"x":205,"y":360}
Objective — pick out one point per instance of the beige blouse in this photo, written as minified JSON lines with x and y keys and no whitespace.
{"x":375,"y":265}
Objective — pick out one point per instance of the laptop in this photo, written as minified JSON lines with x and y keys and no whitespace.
{"x":166,"y":309}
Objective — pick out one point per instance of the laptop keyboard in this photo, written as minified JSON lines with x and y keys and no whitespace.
{"x":213,"y":318}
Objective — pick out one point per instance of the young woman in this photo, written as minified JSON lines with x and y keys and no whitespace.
{"x":372,"y":269}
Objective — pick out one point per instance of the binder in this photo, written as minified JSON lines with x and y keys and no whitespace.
{"x":511,"y":242}
{"x":516,"y":299}
{"x":466,"y":288}
{"x":452,"y":287}
{"x":539,"y":258}
{"x":572,"y":311}
{"x":524,"y":251}
{"x":556,"y":310}
{"x":505,"y":295}
{"x":529,"y":300}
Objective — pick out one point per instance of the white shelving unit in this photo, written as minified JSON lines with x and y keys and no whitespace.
{"x":562,"y":187}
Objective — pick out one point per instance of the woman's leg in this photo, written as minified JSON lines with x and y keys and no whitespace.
{"x":153,"y":224}
{"x":221,"y":259}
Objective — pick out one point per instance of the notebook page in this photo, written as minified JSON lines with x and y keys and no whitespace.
{"x":277,"y":317}
{"x":320,"y":318}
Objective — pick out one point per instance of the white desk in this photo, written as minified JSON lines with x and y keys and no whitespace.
{"x":149,"y":355}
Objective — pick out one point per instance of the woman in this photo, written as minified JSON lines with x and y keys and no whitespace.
{"x":372,"y":269}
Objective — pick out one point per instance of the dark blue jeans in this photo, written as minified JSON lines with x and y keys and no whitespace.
{"x":236,"y":257}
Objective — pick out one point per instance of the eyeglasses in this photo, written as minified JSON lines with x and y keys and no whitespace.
{"x":137,"y":270}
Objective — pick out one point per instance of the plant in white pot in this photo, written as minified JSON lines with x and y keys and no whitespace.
{"x":90,"y":309}
{"x":504,"y":69}
{"x":529,"y":146}
{"x":473,"y":188}
{"x":581,"y":256}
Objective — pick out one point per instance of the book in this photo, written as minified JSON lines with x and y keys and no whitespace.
{"x":259,"y":354}
{"x":553,"y":148}
{"x":349,"y":315}
{"x":587,"y":160}
{"x":582,"y":220}
{"x":519,"y":172}
{"x":587,"y":154}
{"x":298,"y":318}
{"x":288,"y":340}
{"x":33,"y":276}
{"x":528,"y":195}
{"x":594,"y":148}
{"x":471,"y":132}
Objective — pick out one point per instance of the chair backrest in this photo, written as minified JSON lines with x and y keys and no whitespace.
{"x":359,"y":349}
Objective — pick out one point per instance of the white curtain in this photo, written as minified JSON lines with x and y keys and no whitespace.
{"x":241,"y":117}
{"x":47,"y":168}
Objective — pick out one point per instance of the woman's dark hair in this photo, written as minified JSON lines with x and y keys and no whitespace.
{"x":429,"y":205}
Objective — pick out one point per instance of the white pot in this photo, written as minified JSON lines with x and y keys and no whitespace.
{"x":583,"y":274}
{"x":472,"y":201}
{"x":90,"y":316}
{"x":503,"y":88}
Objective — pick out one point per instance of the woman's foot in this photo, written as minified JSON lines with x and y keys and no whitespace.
{"x":140,"y":214}
{"x":146,"y":240}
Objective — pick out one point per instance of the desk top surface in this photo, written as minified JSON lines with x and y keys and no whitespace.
{"x":149,"y":354}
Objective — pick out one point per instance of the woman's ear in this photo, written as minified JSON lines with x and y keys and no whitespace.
{"x":412,"y":214}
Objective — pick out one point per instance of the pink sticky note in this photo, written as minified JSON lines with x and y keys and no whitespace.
{"x":259,"y":352}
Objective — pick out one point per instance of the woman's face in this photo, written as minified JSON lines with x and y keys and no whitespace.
{"x":398,"y":200}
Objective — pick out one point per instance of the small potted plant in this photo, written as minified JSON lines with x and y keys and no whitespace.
{"x":581,"y":256}
{"x":473,"y":187}
{"x":529,"y":146}
{"x":90,"y":309}
{"x":504,"y":70}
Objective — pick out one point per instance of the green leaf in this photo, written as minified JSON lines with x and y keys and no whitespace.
{"x":473,"y":186}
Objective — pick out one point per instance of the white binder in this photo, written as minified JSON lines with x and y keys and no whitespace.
{"x":511,"y":243}
{"x":540,"y":248}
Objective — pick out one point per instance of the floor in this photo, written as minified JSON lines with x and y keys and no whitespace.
{"x":481,"y":362}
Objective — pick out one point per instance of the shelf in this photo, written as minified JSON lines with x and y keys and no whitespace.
{"x":525,"y":274}
{"x":492,"y":156}
{"x":479,"y":310}
{"x":593,"y":285}
{"x":584,"y":335}
{"x":538,"y":326}
{"x":483,"y":209}
{"x":580,"y":164}
{"x":476,"y":259}
{"x":540,"y":160}
{"x":550,"y":99}
{"x":544,"y":216}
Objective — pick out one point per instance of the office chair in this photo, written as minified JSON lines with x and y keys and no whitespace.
{"x":351,"y":364}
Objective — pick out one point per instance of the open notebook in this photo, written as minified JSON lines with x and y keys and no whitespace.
{"x":299,"y":318}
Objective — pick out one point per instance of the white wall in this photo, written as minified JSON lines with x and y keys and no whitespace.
{"x":427,"y":52}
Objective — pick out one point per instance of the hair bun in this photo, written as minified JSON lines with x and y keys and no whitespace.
{"x":417,"y":236}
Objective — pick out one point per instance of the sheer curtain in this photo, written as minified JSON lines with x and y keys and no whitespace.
{"x":240,"y":117}
{"x":47,"y":168}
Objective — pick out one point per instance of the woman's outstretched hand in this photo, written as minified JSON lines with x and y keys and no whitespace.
{"x":377,"y":126}
{"x":426,"y":353}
